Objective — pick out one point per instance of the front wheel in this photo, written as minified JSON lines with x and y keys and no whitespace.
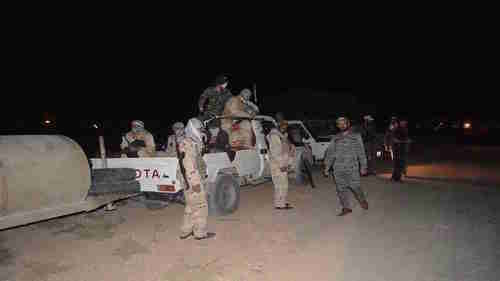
{"x":224,"y":196}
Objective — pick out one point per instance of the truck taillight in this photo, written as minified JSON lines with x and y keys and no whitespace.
{"x":166,"y":188}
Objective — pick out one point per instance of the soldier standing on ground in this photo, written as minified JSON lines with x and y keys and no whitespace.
{"x":138,"y":142}
{"x":394,"y":141}
{"x":279,"y":151}
{"x":178,"y":129}
{"x":194,"y":173}
{"x":405,"y":146}
{"x":370,"y":142}
{"x":345,"y":155}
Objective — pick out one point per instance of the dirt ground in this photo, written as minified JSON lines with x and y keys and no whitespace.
{"x":418,"y":230}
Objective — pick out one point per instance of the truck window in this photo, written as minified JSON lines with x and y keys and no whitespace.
{"x":296,"y":134}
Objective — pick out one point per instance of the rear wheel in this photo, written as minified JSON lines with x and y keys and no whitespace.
{"x":224,"y":198}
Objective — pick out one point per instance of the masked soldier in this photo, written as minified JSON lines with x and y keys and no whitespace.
{"x":194,"y":170}
{"x":138,"y":142}
{"x":345,"y":154}
{"x":178,"y":129}
{"x":213,"y":100}
{"x":279,"y":152}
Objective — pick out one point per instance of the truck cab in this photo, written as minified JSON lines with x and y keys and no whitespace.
{"x":318,"y":146}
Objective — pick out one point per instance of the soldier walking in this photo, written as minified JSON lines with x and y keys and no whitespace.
{"x":345,"y":155}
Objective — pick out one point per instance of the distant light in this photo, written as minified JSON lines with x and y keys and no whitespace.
{"x":379,"y":154}
{"x":95,"y":126}
{"x":467,"y":125}
{"x":47,"y":121}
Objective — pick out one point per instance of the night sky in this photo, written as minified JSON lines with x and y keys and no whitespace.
{"x":78,"y":81}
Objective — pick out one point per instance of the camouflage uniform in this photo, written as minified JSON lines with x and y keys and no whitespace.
{"x":240,"y":132}
{"x":171,"y":146}
{"x":130,"y":137}
{"x":279,"y":149}
{"x":216,"y":103}
{"x":344,"y":152}
{"x":196,"y":211}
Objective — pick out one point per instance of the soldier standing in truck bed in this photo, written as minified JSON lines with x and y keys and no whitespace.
{"x":213,"y":100}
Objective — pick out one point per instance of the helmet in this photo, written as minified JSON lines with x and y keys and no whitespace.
{"x":221,"y":79}
{"x":246,"y":94}
{"x":195,"y":130}
{"x":177,"y":126}
{"x":137,"y":125}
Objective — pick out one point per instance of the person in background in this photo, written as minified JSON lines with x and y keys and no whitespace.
{"x":369,"y":135}
{"x":178,"y":129}
{"x":405,"y":146}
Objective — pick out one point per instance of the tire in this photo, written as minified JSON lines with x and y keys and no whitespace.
{"x":112,"y":175}
{"x":124,"y":187}
{"x":224,"y":198}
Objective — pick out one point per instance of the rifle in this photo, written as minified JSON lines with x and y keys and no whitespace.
{"x":181,"y":156}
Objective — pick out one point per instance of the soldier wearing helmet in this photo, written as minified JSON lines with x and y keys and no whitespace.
{"x":213,"y":100}
{"x":178,"y":129}
{"x":138,"y":142}
{"x":346,"y":155}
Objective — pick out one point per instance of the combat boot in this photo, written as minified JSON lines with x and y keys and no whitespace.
{"x":185,"y":235}
{"x":287,"y":207}
{"x":208,"y":235}
{"x":344,"y":212}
